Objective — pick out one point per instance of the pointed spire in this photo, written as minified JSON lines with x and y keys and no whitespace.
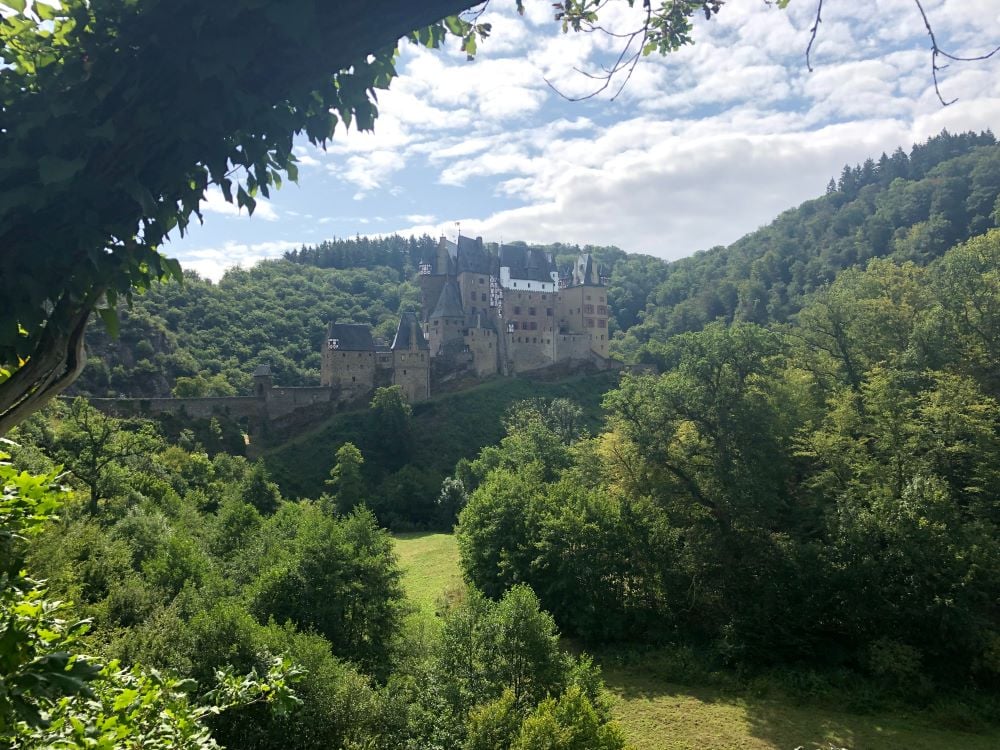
{"x":449,"y":304}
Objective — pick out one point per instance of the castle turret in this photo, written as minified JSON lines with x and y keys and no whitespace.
{"x":411,"y":360}
{"x":262,"y":381}
{"x":446,"y":322}
{"x":348,"y":359}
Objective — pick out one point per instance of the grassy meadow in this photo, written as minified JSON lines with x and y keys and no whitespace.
{"x":658,"y":714}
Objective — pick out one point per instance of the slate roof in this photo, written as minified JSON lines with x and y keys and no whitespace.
{"x":472,"y":256}
{"x":262,"y":371}
{"x":527,"y":263}
{"x":351,"y":337}
{"x":408,"y":328}
{"x":449,"y":304}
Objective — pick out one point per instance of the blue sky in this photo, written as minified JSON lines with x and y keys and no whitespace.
{"x":701,"y":147}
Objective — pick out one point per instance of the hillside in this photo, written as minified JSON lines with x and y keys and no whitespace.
{"x":216,"y":334}
{"x":201,"y":338}
{"x":908,"y":207}
{"x":407,"y":473}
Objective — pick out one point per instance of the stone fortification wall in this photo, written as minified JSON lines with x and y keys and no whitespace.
{"x":411,"y":371}
{"x":235,"y":407}
{"x":283,"y":401}
{"x":572,"y":346}
{"x":529,"y":355}
{"x":482,"y":345}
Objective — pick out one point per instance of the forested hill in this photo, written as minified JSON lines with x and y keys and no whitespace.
{"x":400,"y":253}
{"x":905,"y":206}
{"x":201,"y":338}
{"x":205,"y":339}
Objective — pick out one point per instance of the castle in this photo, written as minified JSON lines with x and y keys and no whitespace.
{"x":480,"y":314}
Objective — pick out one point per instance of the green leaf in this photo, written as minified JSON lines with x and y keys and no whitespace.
{"x":125,"y":699}
{"x":110,"y":318}
{"x":173,"y":269}
{"x":52,"y":169}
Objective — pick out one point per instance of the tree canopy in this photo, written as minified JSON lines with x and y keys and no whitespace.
{"x":118,"y":114}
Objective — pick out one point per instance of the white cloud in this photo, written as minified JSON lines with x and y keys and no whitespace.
{"x":212,"y":262}
{"x":702,"y":146}
{"x":216,"y":203}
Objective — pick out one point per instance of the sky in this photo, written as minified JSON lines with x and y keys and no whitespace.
{"x":700,"y":147}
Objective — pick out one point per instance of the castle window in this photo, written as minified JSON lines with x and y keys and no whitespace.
{"x":529,"y":285}
{"x":548,"y":311}
{"x":483,"y":295}
{"x":602,"y":323}
{"x":481,"y":281}
{"x":600,"y":299}
{"x":588,"y":298}
{"x":588,"y":309}
{"x":534,"y":340}
{"x":602,"y":310}
{"x":531,"y":311}
{"x":590,"y":322}
{"x":353,"y":379}
{"x":404,"y":372}
{"x":517,"y":310}
{"x":436,"y":322}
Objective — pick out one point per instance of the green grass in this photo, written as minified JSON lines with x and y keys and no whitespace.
{"x":659,"y":715}
{"x":430,"y":568}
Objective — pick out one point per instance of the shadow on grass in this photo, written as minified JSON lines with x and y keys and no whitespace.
{"x":660,"y":714}
{"x":408,"y":535}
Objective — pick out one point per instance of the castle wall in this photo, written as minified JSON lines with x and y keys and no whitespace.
{"x":383,"y":369}
{"x":475,"y":291}
{"x":352,"y":372}
{"x":442,"y":331}
{"x":584,"y":309}
{"x":529,"y":352}
{"x":196,"y":408}
{"x":508,"y":282}
{"x":482,"y":344}
{"x":531,"y":313}
{"x":572,"y":346}
{"x":411,"y":371}
{"x":283,"y":401}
